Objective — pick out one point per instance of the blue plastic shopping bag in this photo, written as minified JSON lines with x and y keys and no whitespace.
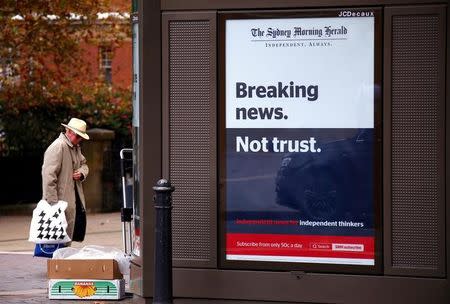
{"x":46,"y":250}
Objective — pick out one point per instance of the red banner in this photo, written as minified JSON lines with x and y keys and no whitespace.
{"x":240,"y":245}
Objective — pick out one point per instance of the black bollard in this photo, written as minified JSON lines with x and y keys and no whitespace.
{"x":163,"y":242}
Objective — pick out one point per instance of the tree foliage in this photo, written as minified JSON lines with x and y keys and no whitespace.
{"x":46,"y":76}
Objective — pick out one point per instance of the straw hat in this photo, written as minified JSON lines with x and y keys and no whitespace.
{"x":78,"y":126}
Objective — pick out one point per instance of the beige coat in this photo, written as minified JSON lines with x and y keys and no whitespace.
{"x":61,"y":159}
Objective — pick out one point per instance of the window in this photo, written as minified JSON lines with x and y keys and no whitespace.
{"x":106,"y":63}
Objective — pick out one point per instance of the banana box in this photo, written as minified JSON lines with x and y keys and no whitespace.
{"x":86,"y":289}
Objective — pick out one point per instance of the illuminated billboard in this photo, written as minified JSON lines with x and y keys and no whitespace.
{"x":299,"y":148}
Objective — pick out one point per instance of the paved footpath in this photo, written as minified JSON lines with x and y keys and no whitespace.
{"x":24,"y":277}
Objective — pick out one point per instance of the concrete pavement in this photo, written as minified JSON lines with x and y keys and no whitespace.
{"x":24,"y":277}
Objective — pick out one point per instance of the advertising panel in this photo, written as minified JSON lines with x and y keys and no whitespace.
{"x":299,"y":144}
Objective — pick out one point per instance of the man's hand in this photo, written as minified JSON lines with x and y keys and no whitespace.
{"x":78,"y":176}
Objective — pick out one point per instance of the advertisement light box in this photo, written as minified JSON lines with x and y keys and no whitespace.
{"x":299,"y":150}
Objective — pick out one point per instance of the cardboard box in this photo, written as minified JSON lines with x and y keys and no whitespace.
{"x":86,"y":289}
{"x":83,"y":269}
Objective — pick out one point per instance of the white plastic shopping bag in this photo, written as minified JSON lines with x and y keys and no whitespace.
{"x":95,"y":252}
{"x":49,"y":224}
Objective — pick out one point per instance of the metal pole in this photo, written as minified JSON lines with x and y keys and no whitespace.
{"x":126,"y":212}
{"x":163,"y":242}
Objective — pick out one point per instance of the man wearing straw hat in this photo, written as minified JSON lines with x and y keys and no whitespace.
{"x":63,"y":171}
